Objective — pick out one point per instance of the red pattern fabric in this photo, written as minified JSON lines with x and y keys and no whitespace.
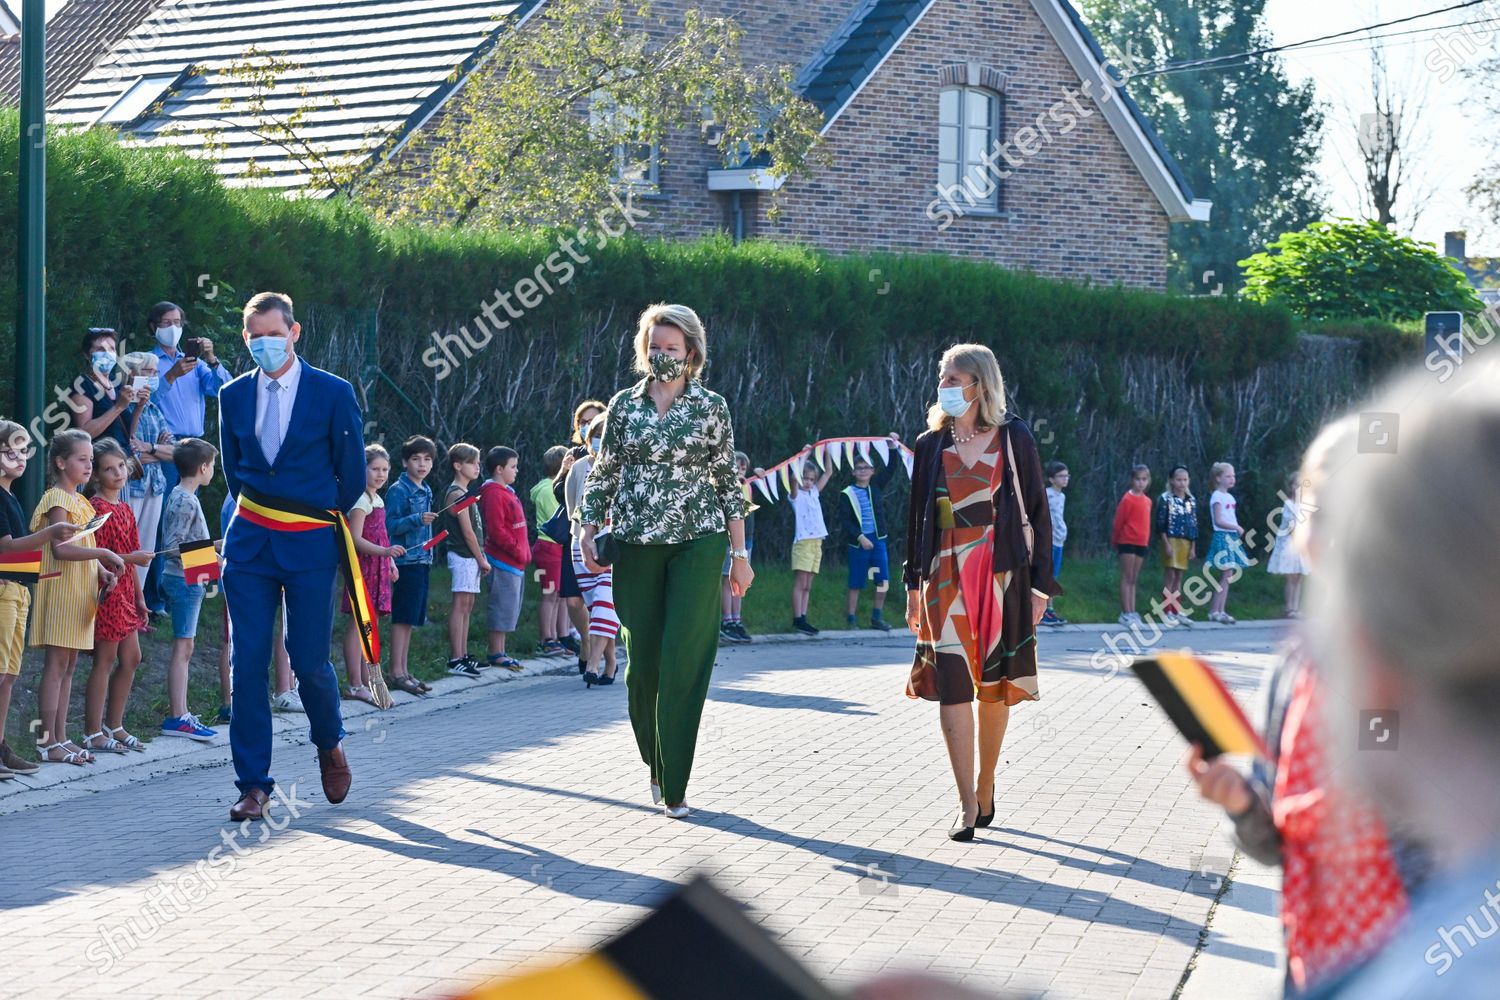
{"x":375,"y":569}
{"x":118,"y":616}
{"x":1342,"y":895}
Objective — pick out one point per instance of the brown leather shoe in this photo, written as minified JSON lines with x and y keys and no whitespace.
{"x":252,"y":805}
{"x":336,"y":774}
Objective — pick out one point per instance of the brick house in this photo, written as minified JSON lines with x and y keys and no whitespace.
{"x":915,"y":93}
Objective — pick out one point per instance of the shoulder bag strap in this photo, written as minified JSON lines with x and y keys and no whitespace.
{"x":1015,"y":472}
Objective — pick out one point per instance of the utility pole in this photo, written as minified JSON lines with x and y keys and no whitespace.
{"x":31,"y":324}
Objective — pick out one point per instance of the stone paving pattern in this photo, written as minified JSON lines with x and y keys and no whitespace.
{"x":515,"y":828}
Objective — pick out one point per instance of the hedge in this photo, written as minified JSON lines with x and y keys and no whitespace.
{"x":803,"y":343}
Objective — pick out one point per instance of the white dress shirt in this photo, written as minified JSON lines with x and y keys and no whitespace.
{"x":287,"y":396}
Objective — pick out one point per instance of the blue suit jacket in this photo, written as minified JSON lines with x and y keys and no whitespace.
{"x":321,"y":463}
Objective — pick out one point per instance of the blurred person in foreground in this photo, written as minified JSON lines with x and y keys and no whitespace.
{"x":1402,"y":622}
{"x":1346,"y":878}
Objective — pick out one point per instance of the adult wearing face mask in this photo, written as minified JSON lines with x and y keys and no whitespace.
{"x":151,"y":449}
{"x":185,"y":384}
{"x":292,"y":440}
{"x":666,"y":483}
{"x":978,"y":569}
{"x":100,"y":403}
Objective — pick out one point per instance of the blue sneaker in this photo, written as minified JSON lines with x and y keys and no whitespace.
{"x":188,"y":727}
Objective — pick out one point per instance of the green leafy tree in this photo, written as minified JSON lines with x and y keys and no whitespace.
{"x":1348,"y":269}
{"x":1244,"y":136}
{"x":579,"y":99}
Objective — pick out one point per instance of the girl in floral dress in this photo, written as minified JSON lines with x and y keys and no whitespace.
{"x":367,"y":524}
{"x":122,"y":611}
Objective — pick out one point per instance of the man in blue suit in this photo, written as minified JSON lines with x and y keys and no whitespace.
{"x":292,"y":441}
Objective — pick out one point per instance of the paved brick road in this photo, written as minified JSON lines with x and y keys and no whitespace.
{"x":515,"y":828}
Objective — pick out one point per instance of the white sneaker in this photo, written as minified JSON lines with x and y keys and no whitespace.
{"x":1181,"y":620}
{"x":1124,"y":619}
{"x":288,"y":701}
{"x":678,"y":811}
{"x":655,"y":794}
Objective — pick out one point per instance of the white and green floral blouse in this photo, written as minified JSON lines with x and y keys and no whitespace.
{"x":664,"y":479}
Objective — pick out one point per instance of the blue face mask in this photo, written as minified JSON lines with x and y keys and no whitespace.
{"x":270,"y":353}
{"x":951,"y":399}
{"x":104,"y":361}
{"x":153,"y":382}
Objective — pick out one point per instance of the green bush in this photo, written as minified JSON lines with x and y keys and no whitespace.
{"x":1341,"y":269}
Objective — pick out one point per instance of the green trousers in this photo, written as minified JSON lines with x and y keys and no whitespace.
{"x":667,"y":597}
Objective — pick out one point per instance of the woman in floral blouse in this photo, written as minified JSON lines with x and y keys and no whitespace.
{"x":666,"y":484}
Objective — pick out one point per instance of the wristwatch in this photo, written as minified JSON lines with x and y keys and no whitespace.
{"x":740,"y":554}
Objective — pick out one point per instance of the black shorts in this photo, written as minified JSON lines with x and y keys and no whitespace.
{"x":569,"y":585}
{"x":409,"y":595}
{"x":1132,"y":550}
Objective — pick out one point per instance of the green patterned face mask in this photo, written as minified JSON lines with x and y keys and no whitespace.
{"x":665,"y":368}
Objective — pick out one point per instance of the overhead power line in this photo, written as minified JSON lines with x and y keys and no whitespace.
{"x":1240,"y":58}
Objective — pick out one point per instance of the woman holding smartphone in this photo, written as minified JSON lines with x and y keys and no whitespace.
{"x":150,"y":450}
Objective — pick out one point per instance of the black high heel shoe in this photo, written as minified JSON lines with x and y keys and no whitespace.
{"x":590,"y":678}
{"x":605,"y":679}
{"x":985,"y":819}
{"x":961,"y":833}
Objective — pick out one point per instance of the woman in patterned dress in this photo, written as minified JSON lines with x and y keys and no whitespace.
{"x":666,"y":483}
{"x":976,"y":581}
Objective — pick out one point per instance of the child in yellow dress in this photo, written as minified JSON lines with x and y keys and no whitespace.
{"x":67,"y":593}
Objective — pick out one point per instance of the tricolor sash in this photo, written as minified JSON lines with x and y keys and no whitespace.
{"x":20,"y":567}
{"x":280,"y":514}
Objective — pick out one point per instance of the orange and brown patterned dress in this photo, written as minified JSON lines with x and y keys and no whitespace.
{"x":959,"y":645}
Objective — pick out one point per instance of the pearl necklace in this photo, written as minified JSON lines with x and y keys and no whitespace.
{"x":965,"y":440}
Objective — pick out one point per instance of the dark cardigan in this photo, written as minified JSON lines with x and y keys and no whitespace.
{"x":922,"y":536}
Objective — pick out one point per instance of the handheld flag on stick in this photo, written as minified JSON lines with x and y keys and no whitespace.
{"x":200,"y":562}
{"x":435,"y":539}
{"x":20,"y":567}
{"x":469,"y":499}
{"x":698,"y":943}
{"x":1199,"y":704}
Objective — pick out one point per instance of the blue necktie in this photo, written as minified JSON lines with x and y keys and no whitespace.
{"x":270,"y":425}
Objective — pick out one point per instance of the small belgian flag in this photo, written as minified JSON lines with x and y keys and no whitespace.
{"x":200,"y":562}
{"x":20,"y":567}
{"x":696,"y":944}
{"x":1199,"y":704}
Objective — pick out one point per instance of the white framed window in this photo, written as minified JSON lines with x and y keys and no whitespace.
{"x":137,"y":99}
{"x":636,"y":163}
{"x":968,"y":128}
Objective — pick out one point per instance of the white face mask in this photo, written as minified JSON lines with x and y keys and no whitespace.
{"x":951,"y":399}
{"x":168,"y":336}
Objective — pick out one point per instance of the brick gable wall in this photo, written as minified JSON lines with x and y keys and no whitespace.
{"x":1079,"y":209}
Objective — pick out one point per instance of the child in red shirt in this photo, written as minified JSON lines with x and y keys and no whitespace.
{"x":507,"y":548}
{"x":1130,"y":536}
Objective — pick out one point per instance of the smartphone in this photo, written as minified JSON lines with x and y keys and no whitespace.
{"x":139,"y":382}
{"x":191,"y":348}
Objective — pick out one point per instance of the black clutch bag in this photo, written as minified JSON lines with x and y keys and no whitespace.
{"x":605,"y":548}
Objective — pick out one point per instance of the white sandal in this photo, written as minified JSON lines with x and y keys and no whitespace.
{"x":44,"y":754}
{"x":111,"y":745}
{"x":128,"y":742}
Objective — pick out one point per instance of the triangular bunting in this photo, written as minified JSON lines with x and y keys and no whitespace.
{"x":835,"y":453}
{"x":883,"y":449}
